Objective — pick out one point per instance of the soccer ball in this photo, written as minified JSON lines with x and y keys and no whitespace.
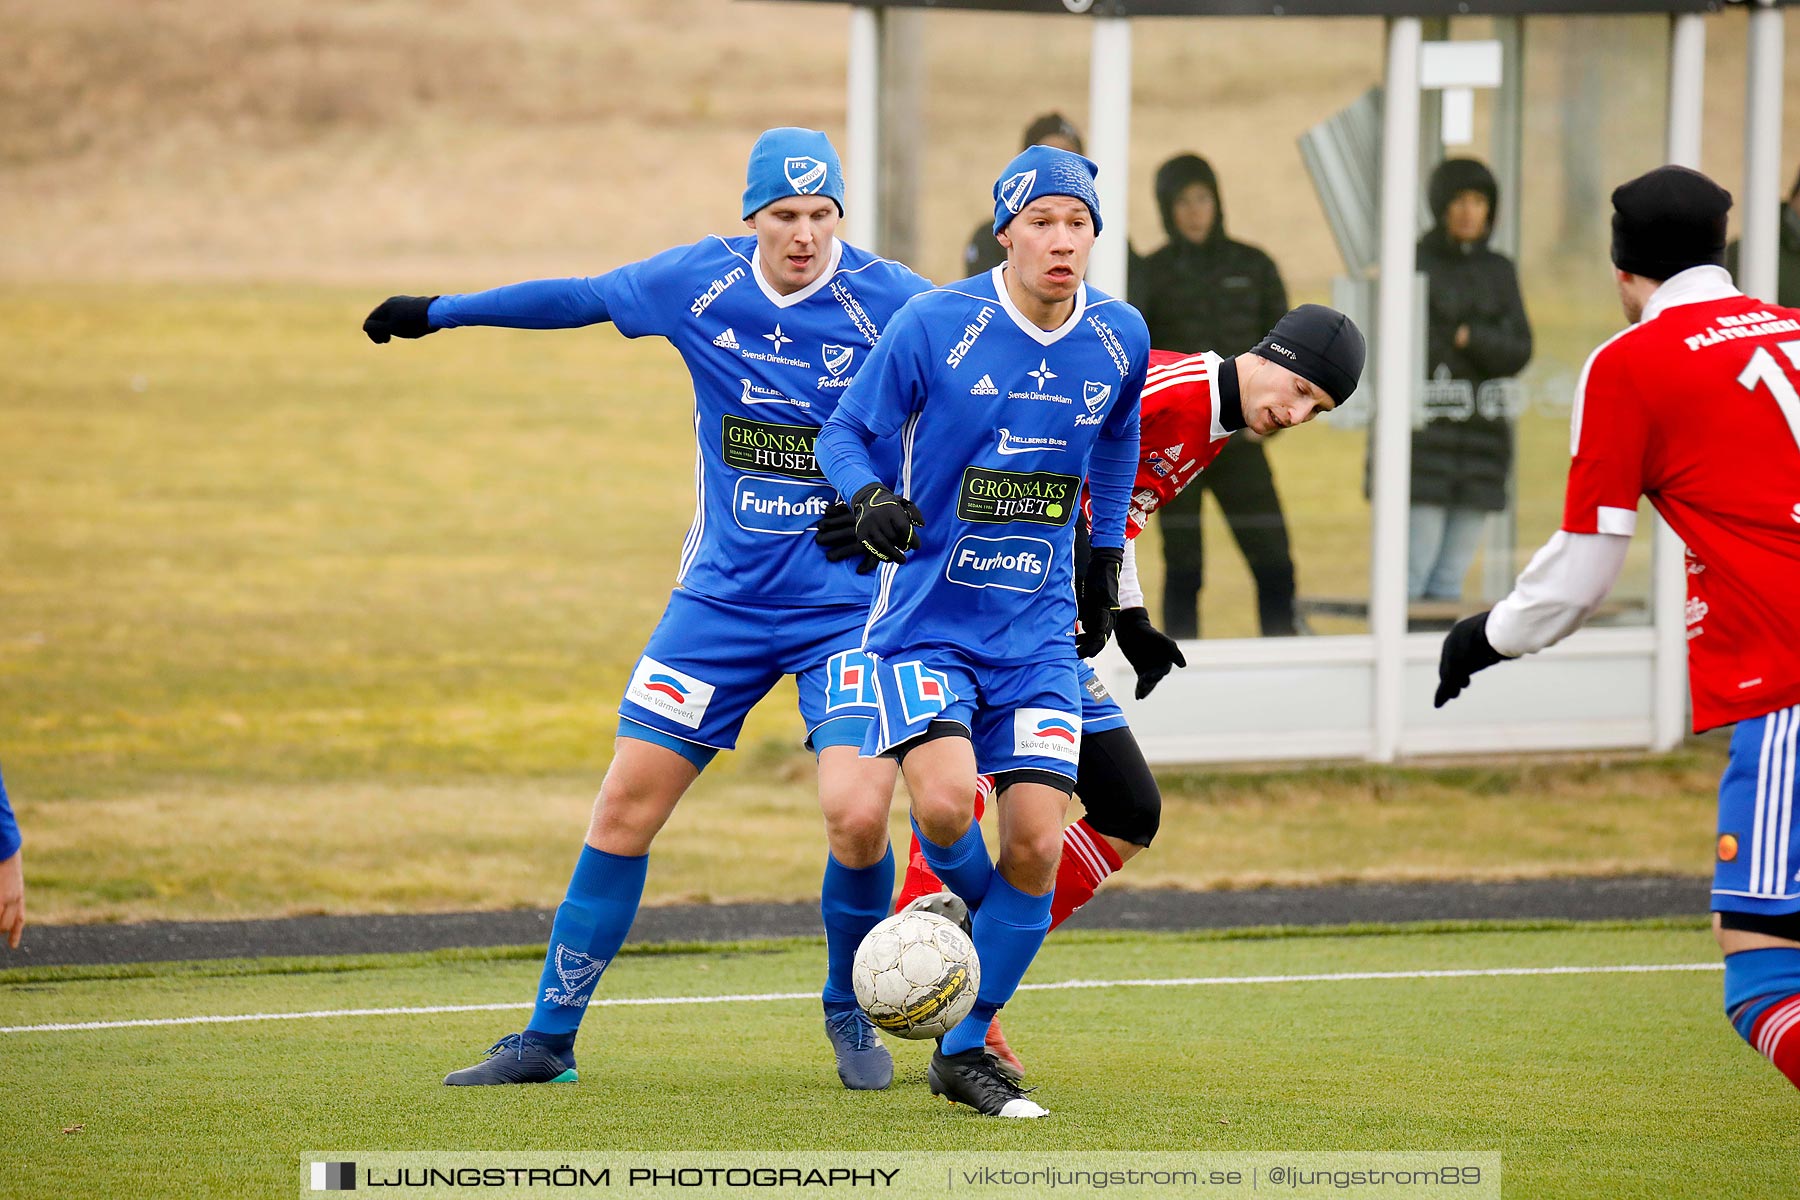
{"x":916,"y":975}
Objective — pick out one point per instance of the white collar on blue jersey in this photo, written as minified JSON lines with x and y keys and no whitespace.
{"x":781,"y":301}
{"x":1696,"y":285}
{"x":1043,"y":337}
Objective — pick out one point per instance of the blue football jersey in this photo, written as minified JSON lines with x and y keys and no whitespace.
{"x":9,"y":828}
{"x":768,"y":371}
{"x":996,"y":420}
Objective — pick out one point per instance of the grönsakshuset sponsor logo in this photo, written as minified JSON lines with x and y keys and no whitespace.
{"x":997,"y":497}
{"x":770,"y":447}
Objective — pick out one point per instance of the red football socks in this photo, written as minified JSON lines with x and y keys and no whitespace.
{"x":1776,"y":1036}
{"x":1087,"y":860}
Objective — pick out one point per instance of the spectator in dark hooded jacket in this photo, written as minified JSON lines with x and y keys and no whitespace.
{"x":1476,"y":331}
{"x":1787,"y":277}
{"x":1204,"y":291}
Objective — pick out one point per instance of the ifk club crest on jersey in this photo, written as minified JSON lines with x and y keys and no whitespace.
{"x":1095,"y":396}
{"x":837,"y":360}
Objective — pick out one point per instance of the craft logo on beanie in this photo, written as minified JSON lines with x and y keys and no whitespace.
{"x":1321,"y":345}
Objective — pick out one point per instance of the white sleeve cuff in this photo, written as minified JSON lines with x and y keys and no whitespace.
{"x":1558,"y":590}
{"x":1131,"y":593}
{"x":1622,"y":521}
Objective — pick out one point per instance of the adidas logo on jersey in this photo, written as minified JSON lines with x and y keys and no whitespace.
{"x":984,"y":387}
{"x":726,"y":341}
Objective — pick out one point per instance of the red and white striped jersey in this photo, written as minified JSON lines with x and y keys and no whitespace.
{"x":1178,"y":431}
{"x":1698,"y":408}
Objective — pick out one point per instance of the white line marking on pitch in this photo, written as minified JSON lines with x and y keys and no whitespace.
{"x":764,"y":997}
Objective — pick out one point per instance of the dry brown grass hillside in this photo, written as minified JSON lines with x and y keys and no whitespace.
{"x":461,"y":142}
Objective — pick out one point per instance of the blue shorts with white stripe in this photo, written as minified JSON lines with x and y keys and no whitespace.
{"x":1758,"y":859}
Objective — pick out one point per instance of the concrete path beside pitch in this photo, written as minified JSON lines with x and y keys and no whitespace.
{"x":1374,"y":903}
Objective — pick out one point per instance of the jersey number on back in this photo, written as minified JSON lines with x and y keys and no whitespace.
{"x":1763,"y":368}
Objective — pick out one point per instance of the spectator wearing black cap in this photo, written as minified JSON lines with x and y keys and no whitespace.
{"x":1205,"y":291}
{"x":1787,"y":286}
{"x":984,"y":253}
{"x":1476,"y":331}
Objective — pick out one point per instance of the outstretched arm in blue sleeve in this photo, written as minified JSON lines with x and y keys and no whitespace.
{"x":637,"y":298}
{"x":538,"y":304}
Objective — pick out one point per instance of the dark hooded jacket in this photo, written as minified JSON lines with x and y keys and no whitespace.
{"x":1464,"y":462}
{"x":1787,"y":279}
{"x":983,"y":251}
{"x":1216,"y":295}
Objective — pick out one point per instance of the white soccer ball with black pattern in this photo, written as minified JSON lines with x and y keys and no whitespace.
{"x":916,"y":975}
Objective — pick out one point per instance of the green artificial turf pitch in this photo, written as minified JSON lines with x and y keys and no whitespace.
{"x":1588,"y":1084}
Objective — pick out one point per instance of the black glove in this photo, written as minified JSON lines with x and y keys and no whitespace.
{"x":1466,"y":651}
{"x":885,"y":523}
{"x":836,"y":534}
{"x":1151,"y":652}
{"x":399,"y":316}
{"x":1097,"y":599}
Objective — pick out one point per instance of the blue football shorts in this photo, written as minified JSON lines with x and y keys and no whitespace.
{"x":1758,"y":860}
{"x":709,"y":661}
{"x":1099,"y":711}
{"x":1017,"y":717}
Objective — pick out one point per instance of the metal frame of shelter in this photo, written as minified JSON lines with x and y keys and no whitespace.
{"x":1368,"y":696}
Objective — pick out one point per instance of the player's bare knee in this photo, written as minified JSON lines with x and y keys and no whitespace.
{"x":621,"y":831}
{"x":944,"y":812}
{"x":1032,"y":853}
{"x":631,"y":808}
{"x":1030,"y":866}
{"x":1043,"y":849}
{"x":858,"y":836}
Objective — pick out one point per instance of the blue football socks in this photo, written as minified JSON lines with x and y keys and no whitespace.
{"x":1008,"y":931}
{"x":851,"y":901}
{"x":590,"y":926}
